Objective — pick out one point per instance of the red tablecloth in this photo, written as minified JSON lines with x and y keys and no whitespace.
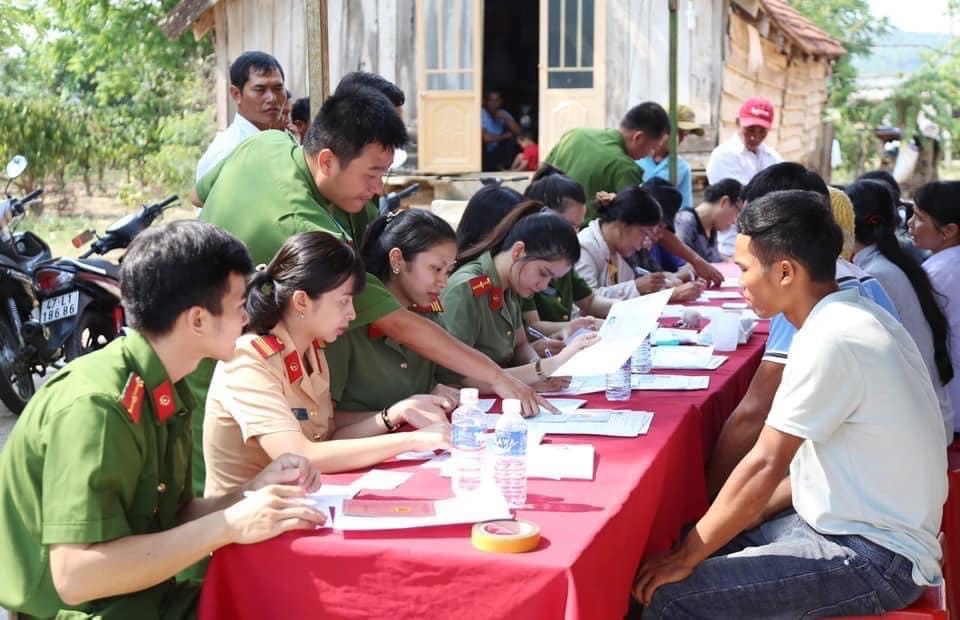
{"x":594,"y":533}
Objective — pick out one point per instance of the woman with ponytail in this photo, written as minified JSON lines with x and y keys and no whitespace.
{"x":877,"y":251}
{"x":935,"y":226}
{"x":530,"y":247}
{"x":551,"y":311}
{"x":273,"y":397}
{"x":412,"y":252}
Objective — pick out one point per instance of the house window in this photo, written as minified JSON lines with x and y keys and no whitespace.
{"x":449,"y":62}
{"x":570,"y":44}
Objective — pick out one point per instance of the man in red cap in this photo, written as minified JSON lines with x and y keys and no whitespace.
{"x":743,"y":154}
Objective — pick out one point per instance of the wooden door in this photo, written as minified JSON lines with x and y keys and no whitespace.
{"x":449,"y":76}
{"x":572,"y":67}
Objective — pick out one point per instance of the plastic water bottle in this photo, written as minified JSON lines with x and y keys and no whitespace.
{"x":510,"y":449}
{"x":467,"y":428}
{"x":641,"y":362}
{"x":618,"y":382}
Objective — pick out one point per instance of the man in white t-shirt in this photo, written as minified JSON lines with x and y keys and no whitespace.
{"x":853,"y":529}
{"x":743,"y":155}
{"x":256,"y":86}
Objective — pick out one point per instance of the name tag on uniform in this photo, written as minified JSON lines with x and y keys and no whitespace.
{"x":300,"y":413}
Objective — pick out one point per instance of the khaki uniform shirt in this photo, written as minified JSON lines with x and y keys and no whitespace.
{"x":268,"y":387}
{"x":101,"y":452}
{"x":478,"y":311}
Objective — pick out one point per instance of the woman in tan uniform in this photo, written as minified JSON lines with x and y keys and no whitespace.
{"x":273,"y":397}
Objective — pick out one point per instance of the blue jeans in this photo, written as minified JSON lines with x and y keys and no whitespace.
{"x":785,"y":569}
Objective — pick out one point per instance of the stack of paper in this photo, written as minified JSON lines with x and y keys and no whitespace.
{"x":669,"y":382}
{"x":686,"y":358}
{"x":599,"y":422}
{"x":490,"y":505}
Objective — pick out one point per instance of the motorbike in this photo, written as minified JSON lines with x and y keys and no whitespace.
{"x":20,"y":254}
{"x":80,"y":307}
{"x":391,"y":202}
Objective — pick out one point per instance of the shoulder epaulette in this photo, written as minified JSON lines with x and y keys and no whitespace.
{"x":267,"y":346}
{"x":480,"y":285}
{"x":132,"y":399}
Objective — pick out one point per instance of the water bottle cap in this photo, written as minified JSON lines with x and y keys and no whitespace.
{"x":469,"y":395}
{"x":511,"y":406}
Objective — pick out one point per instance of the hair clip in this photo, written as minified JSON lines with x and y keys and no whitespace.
{"x":267,"y":288}
{"x":261,"y":267}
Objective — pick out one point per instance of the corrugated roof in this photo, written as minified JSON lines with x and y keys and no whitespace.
{"x":801,"y":31}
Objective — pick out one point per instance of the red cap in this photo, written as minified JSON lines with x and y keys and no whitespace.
{"x":756,"y":111}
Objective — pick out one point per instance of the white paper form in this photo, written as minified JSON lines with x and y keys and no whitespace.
{"x":619,"y":424}
{"x":561,"y":461}
{"x":381,"y":480}
{"x":583,"y":385}
{"x":710,"y":294}
{"x":565,"y":405}
{"x":627,"y":324}
{"x":490,"y":505}
{"x":669,"y":382}
{"x":685,"y":358}
{"x":669,"y":335}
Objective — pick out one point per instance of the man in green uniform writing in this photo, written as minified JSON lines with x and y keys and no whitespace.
{"x":96,"y":507}
{"x":271,"y":188}
{"x":604,"y":160}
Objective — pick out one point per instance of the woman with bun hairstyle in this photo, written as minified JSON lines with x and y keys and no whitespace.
{"x":413,"y":253}
{"x":273,"y":397}
{"x":551,"y":311}
{"x":530,"y":247}
{"x":877,"y":251}
{"x":626,"y":223}
{"x":935,"y":226}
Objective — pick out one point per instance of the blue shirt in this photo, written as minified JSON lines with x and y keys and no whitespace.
{"x":492,"y":125}
{"x":782,"y":330}
{"x":662,"y":169}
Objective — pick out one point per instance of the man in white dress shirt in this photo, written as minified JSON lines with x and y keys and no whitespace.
{"x":743,"y":155}
{"x":256,"y":86}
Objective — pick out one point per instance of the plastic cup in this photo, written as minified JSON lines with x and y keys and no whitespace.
{"x":725,"y":327}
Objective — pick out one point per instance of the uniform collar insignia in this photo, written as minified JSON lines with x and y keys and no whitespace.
{"x":164,"y":402}
{"x":294,"y":366}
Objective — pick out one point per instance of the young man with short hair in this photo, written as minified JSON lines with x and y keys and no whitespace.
{"x":604,"y":160}
{"x":256,"y":87}
{"x":97,"y":512}
{"x":851,"y":531}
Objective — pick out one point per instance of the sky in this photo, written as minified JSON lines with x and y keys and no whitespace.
{"x":916,"y":15}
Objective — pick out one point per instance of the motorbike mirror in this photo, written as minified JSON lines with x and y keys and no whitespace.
{"x":16,"y":166}
{"x":399,"y":158}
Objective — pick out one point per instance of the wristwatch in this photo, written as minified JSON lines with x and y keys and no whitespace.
{"x":391,"y":427}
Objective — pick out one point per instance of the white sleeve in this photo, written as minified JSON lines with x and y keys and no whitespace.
{"x":588,"y":269}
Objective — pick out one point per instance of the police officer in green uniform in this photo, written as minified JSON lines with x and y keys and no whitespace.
{"x":604,"y":160}
{"x":530,"y":247}
{"x":412,"y":252}
{"x":549,"y":312}
{"x":96,"y":508}
{"x":270,"y":189}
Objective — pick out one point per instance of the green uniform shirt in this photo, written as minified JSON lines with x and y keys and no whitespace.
{"x":264,"y":193}
{"x":356,"y":223}
{"x":556,"y":302}
{"x":370,"y":371}
{"x":468,"y":314}
{"x":597,"y":160}
{"x":101,"y":452}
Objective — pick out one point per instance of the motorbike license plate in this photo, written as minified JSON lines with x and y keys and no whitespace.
{"x":59,"y":307}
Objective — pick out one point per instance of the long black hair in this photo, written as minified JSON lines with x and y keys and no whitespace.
{"x":545,"y":235}
{"x":412,"y":231}
{"x":314,"y":262}
{"x":485,"y":209}
{"x":554,"y":189}
{"x":875,"y":224}
{"x":633,"y":206}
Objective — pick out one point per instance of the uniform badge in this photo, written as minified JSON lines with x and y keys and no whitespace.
{"x":267,"y":346}
{"x":294,"y":367}
{"x":300,"y":413}
{"x":163,"y":401}
{"x":133,"y":397}
{"x":480,"y":285}
{"x":496,"y":298}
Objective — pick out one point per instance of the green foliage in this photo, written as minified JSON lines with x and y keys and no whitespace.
{"x":96,"y":86}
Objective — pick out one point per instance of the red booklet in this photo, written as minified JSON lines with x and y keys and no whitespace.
{"x":389,"y":508}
